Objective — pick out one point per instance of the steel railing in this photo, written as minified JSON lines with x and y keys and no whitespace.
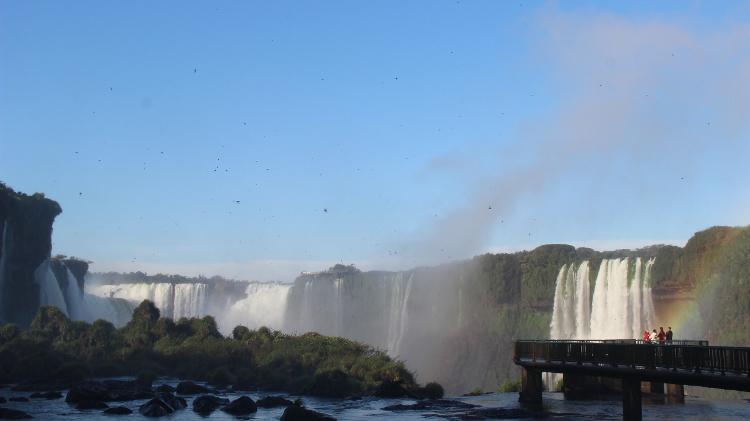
{"x":695,"y":356}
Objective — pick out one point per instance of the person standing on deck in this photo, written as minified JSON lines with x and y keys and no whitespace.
{"x":662,"y":335}
{"x":654,"y":337}
{"x":669,"y":335}
{"x":646,"y":337}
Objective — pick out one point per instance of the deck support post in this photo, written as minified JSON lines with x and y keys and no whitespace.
{"x":631,"y":399}
{"x":675,"y":393}
{"x":531,"y":387}
{"x":657,"y":388}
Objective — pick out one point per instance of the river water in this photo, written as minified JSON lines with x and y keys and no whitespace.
{"x":555,"y":407}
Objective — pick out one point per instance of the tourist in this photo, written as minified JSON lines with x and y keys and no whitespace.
{"x":662,"y":335}
{"x":669,"y":335}
{"x":654,"y":337}
{"x":646,"y":337}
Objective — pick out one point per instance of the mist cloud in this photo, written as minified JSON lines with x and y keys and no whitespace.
{"x":635,"y":88}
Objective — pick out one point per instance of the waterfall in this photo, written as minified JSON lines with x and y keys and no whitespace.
{"x":49,"y":288}
{"x":74,"y":298}
{"x":264,"y":305}
{"x":189,"y":300}
{"x":175,"y":301}
{"x":620,"y":307}
{"x":571,"y":310}
{"x":398,"y":316}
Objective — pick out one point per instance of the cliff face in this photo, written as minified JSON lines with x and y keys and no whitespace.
{"x":26,"y":224}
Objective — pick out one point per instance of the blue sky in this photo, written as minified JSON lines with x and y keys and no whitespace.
{"x":258,"y":139}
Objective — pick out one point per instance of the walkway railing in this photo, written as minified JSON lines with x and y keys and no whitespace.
{"x":695,"y":356}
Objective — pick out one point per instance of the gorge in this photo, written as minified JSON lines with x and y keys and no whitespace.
{"x":453,"y":323}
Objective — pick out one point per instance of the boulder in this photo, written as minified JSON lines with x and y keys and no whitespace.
{"x":155,"y":408}
{"x":191,"y":388}
{"x":46,"y":395}
{"x":241,"y":406}
{"x":19,"y":399}
{"x":391,"y":389}
{"x":273,"y":402}
{"x":207,"y":404}
{"x":175,"y":402}
{"x":13,"y":414}
{"x":163,"y":404}
{"x":300,"y":413}
{"x":91,"y":404}
{"x":118,"y":410}
{"x":164,"y":388}
{"x":88,"y":390}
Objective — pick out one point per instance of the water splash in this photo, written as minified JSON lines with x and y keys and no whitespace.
{"x":49,"y":288}
{"x":265,"y":305}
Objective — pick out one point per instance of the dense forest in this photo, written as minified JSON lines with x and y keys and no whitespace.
{"x":56,"y":352}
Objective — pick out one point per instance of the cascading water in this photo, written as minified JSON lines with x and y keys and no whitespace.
{"x":189,"y":300}
{"x":74,"y":298}
{"x":264,"y":305}
{"x":620,"y":307}
{"x":172,"y":300}
{"x":398,"y":314}
{"x":49,"y":288}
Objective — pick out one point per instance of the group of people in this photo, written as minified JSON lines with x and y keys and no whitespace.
{"x":661,"y":337}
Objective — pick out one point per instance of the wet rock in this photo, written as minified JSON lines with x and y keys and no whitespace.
{"x":207,"y":404}
{"x":91,"y":404}
{"x":13,"y":414}
{"x":300,"y":413}
{"x":241,"y":406}
{"x":118,"y":410}
{"x":191,"y":388}
{"x":165,"y":388}
{"x":88,"y":390}
{"x":163,"y":404}
{"x":19,"y":399}
{"x":273,"y":402}
{"x":46,"y":395}
{"x":155,"y":408}
{"x":429,"y":405}
{"x":172,"y":400}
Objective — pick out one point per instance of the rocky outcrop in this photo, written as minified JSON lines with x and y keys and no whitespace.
{"x":13,"y":414}
{"x":206,"y":404}
{"x":300,"y":413}
{"x":241,"y":406}
{"x":26,"y":231}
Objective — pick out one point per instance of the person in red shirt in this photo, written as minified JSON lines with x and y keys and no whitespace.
{"x":662,"y":335}
{"x":646,"y":337}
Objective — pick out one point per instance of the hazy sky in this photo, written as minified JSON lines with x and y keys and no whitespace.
{"x":258,"y":139}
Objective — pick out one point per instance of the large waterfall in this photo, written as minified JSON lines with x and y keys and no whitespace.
{"x":621,"y":305}
{"x":265,"y":305}
{"x":173,"y":300}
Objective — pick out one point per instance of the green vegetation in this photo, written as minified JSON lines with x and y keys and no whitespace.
{"x":510,"y":386}
{"x":56,"y":348}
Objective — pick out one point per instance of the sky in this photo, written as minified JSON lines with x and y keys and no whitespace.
{"x":255,"y":140}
